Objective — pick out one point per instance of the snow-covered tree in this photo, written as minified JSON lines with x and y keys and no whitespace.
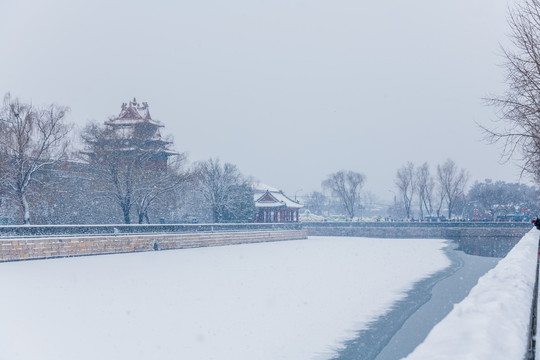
{"x":133,"y":164}
{"x":519,"y":108}
{"x":227,"y":192}
{"x":499,"y":198}
{"x":131,"y":180}
{"x":150,"y":186}
{"x":31,"y":138}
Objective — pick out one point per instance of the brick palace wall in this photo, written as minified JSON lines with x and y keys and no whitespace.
{"x":13,"y":249}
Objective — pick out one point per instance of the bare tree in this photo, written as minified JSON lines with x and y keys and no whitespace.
{"x":405,"y":182}
{"x":452,"y":182}
{"x":439,"y":199}
{"x":519,"y":107}
{"x":429,"y":196}
{"x":228,"y":193}
{"x":113,"y":173}
{"x":346,"y":186}
{"x":423,"y":178}
{"x":369,"y":203}
{"x":125,"y":169}
{"x":317,"y":203}
{"x":3,"y":164}
{"x":31,"y":139}
{"x":149,"y":186}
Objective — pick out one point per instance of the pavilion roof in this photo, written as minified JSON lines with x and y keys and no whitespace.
{"x":272,"y":198}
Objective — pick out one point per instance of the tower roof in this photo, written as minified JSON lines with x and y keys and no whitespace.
{"x":132,"y":114}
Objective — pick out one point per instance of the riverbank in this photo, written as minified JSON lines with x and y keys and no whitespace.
{"x":492,"y":322}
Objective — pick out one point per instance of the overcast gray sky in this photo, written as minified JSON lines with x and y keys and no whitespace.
{"x":289,"y":91}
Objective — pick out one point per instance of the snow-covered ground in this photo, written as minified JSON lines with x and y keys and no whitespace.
{"x":284,"y":300}
{"x":492,"y":322}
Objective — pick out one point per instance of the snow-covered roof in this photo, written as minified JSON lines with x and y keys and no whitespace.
{"x":129,"y":122}
{"x":134,"y":113}
{"x":273,"y":199}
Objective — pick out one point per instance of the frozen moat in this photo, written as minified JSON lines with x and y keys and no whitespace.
{"x":398,"y":332}
{"x":301,"y":299}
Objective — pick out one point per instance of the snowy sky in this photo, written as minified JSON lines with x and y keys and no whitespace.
{"x":289,"y":91}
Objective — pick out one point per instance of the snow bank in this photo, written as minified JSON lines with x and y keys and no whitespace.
{"x":288,"y":300}
{"x":492,"y":322}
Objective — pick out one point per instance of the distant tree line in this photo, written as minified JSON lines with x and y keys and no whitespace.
{"x":494,"y":200}
{"x":423,"y":195}
{"x":44,"y":179}
{"x":432,"y":193}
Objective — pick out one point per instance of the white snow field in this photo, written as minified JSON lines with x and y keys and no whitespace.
{"x":282,"y":300}
{"x":492,"y":322}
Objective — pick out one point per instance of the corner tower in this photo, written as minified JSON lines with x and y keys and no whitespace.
{"x":134,"y":133}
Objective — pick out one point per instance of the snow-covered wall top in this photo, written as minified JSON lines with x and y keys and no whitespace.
{"x":493,"y":321}
{"x":47,"y":230}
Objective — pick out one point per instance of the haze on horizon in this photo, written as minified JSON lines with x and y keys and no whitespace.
{"x":289,"y":91}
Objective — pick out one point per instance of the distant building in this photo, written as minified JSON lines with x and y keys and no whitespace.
{"x":273,"y":206}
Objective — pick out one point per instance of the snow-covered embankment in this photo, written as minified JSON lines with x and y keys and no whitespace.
{"x":493,"y":321}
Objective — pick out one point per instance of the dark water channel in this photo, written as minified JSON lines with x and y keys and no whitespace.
{"x":397,"y":333}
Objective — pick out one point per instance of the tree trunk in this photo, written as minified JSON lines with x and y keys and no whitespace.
{"x":216,"y":212}
{"x":125,"y":210}
{"x":143,"y":215}
{"x":407,"y":204}
{"x":25,"y":208}
{"x":350,"y":210}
